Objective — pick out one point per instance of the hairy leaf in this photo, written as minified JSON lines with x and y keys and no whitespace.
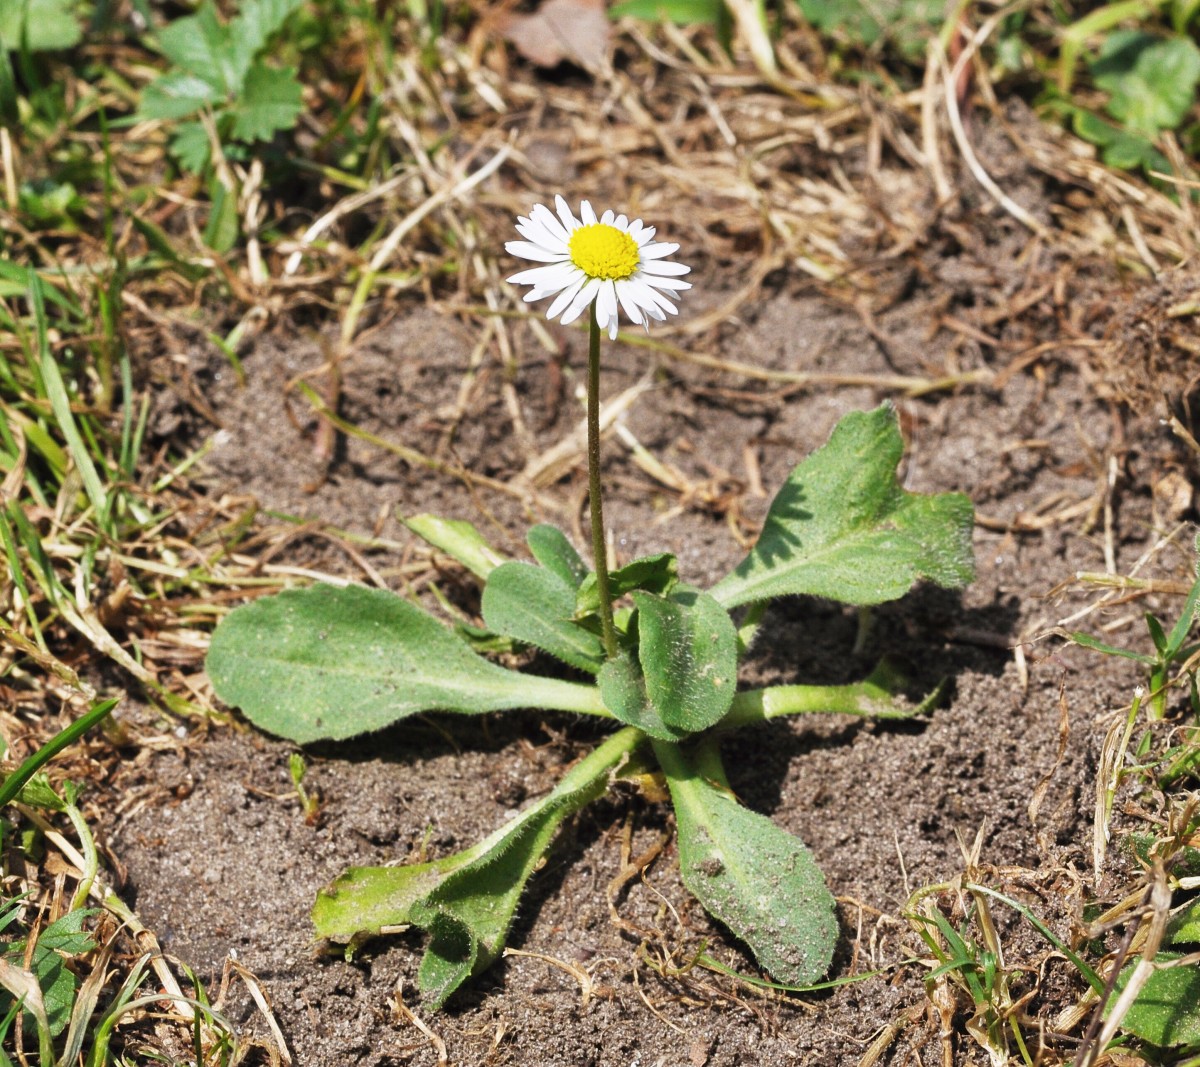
{"x":553,"y":551}
{"x":843,"y":527}
{"x":1166,"y":1012}
{"x":328,"y":662}
{"x":687,"y":647}
{"x":534,"y":605}
{"x":655,"y":574}
{"x":460,"y":540}
{"x":623,"y":689}
{"x":467,"y":901}
{"x":759,"y":880}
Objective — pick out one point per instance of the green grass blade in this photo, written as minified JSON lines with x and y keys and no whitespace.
{"x":14,"y":782}
{"x":60,"y":403}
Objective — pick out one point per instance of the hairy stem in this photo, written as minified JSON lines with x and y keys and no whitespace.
{"x":599,"y":548}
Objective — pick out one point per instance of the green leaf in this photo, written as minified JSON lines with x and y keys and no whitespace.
{"x":655,"y":574}
{"x":553,"y":551}
{"x":176,"y":95}
{"x":328,"y":662}
{"x":466,"y":901}
{"x":874,"y":697}
{"x":38,"y":793}
{"x":685,"y":673}
{"x":224,"y":223}
{"x":757,"y":879}
{"x":270,"y":100}
{"x":852,"y":17}
{"x":1120,"y":148}
{"x":67,"y":933}
{"x":200,"y":46}
{"x":843,"y":527}
{"x":687,"y":647}
{"x":191,"y":147}
{"x":681,"y":12}
{"x":1096,"y":645}
{"x":48,"y":965}
{"x":623,"y":689}
{"x":1187,"y":618}
{"x":460,"y":541}
{"x":535,"y":605}
{"x":39,"y":25}
{"x":1167,"y":1010}
{"x":1184,"y":927}
{"x":255,"y":25}
{"x":1151,"y":80}
{"x":363,"y":901}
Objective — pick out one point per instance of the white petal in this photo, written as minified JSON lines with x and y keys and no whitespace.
{"x":650,"y":299}
{"x":579,"y":305}
{"x":667,"y":283}
{"x":528,"y":250}
{"x":635,"y":228}
{"x":657,"y":251}
{"x":586,"y":213}
{"x":554,"y":276}
{"x":607,"y":217}
{"x":569,"y":221}
{"x":663,"y":267}
{"x":622,"y":223}
{"x":566,"y":296}
{"x":606,"y":307}
{"x":632,"y":312}
{"x":552,"y":226}
{"x":646,"y":235}
{"x":540,"y":236}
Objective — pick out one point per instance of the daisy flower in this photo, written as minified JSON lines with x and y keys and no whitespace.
{"x":607,"y":260}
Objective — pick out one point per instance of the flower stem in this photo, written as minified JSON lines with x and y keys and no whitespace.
{"x":599,"y":548}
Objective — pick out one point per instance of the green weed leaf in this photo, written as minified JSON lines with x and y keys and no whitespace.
{"x":200,"y":46}
{"x":326,"y":662}
{"x":843,"y":527}
{"x":1167,"y":1010}
{"x":553,"y":551}
{"x":176,"y":95}
{"x":257,"y":23}
{"x":655,"y":574}
{"x":363,"y":901}
{"x":47,"y":963}
{"x":623,"y":688}
{"x":191,"y":146}
{"x":460,"y":540}
{"x":681,"y":12}
{"x":759,"y":880}
{"x":687,"y":647}
{"x":1184,"y":927}
{"x":467,"y":901}
{"x":1151,"y":80}
{"x":535,"y":605}
{"x":270,"y":101}
{"x":39,"y":25}
{"x":908,"y":24}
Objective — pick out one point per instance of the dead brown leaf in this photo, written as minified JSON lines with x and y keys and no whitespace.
{"x":576,"y":31}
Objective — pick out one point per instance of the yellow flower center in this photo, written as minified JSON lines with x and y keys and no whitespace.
{"x":602,"y":251}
